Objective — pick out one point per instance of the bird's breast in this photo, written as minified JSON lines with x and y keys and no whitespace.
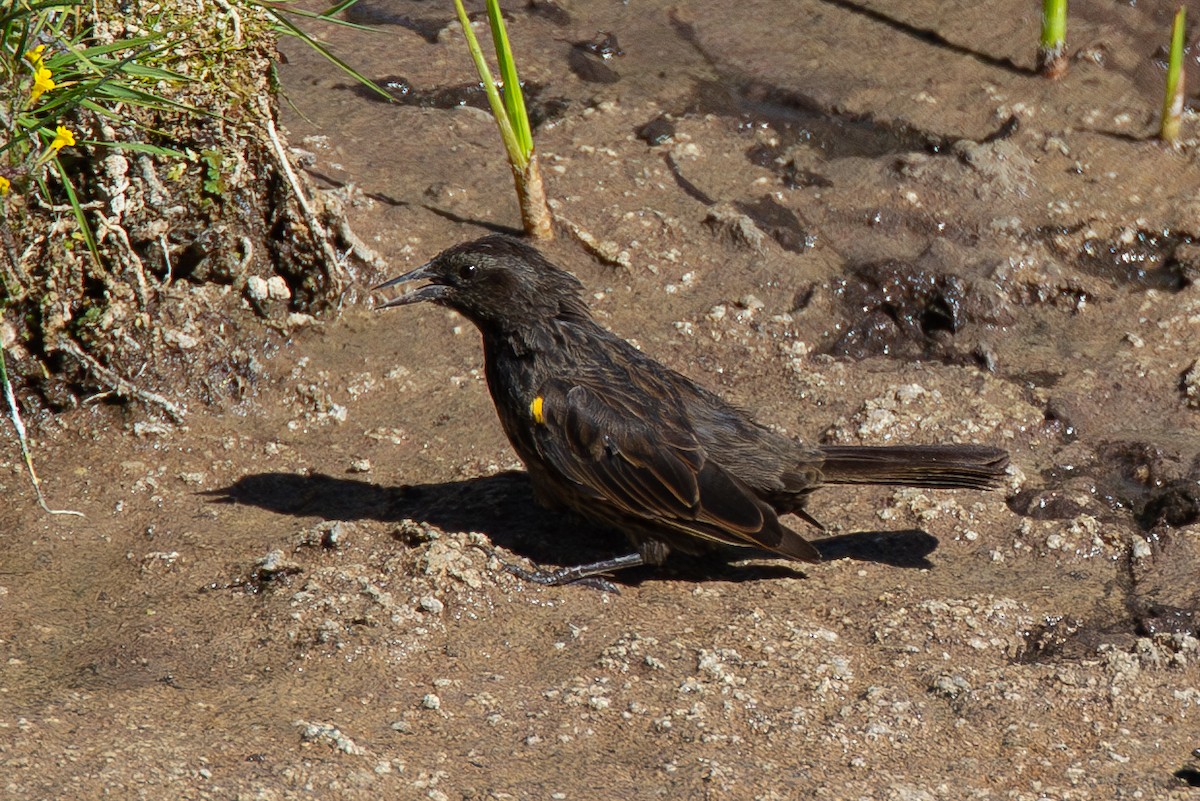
{"x":513,"y":380}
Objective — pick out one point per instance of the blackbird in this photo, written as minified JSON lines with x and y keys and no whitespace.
{"x":609,"y":433}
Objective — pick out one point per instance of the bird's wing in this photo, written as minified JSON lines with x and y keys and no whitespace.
{"x":651,"y":469}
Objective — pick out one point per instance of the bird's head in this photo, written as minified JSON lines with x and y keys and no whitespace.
{"x":496,"y":282}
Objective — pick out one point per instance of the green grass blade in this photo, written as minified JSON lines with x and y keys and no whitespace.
{"x":1054,"y":24}
{"x":511,"y":144}
{"x":289,"y":27}
{"x":80,"y":217}
{"x":514,"y":98}
{"x":1052,"y":47}
{"x":322,"y":16}
{"x":57,"y":58}
{"x":142,"y":147}
{"x":337,"y":8}
{"x":1173,"y":101}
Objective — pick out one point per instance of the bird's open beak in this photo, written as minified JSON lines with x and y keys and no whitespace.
{"x":427,"y":292}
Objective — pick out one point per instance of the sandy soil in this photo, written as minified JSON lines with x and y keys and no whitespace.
{"x":297,"y":594}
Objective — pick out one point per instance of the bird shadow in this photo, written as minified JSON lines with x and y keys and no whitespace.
{"x":907,"y":548}
{"x":501,"y":506}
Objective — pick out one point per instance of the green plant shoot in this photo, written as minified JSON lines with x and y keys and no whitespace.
{"x":1052,"y":60}
{"x":1173,"y":101}
{"x":514,"y":99}
{"x":512,"y":119}
{"x":517,"y":154}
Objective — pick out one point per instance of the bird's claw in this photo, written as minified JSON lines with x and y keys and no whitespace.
{"x":564,"y":575}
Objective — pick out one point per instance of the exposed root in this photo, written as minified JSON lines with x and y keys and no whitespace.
{"x":14,"y":413}
{"x":234,"y":18}
{"x":359,"y":248}
{"x":311,"y":218}
{"x":121,"y":386}
{"x":127,"y":254}
{"x":607,"y":252}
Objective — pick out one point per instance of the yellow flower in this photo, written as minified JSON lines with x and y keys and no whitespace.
{"x":63,"y":137}
{"x":34,"y":56}
{"x":42,"y":83}
{"x":4,"y":185}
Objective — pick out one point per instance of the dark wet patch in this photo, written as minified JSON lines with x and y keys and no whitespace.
{"x":604,"y":46}
{"x":372,"y":12}
{"x":1155,"y":618}
{"x":587,"y":59}
{"x":1142,"y":477}
{"x":549,"y":9}
{"x":778,"y":222}
{"x":788,"y":164}
{"x":802,"y":298}
{"x":1054,"y":639}
{"x":1165,"y":599}
{"x":589,"y":68}
{"x":1046,"y":504}
{"x":897,"y":309}
{"x":657,"y":131}
{"x":1185,"y":262}
{"x":1153,"y":484}
{"x":1146,"y":259}
{"x":796,"y":116}
{"x":1060,"y":419}
{"x":1066,"y":638}
{"x":799,"y":119}
{"x":542,"y":108}
{"x":1160,"y":602}
{"x":795,"y":177}
{"x":802,"y":120}
{"x":1007,"y":128}
{"x":272,"y":571}
{"x":1176,"y":503}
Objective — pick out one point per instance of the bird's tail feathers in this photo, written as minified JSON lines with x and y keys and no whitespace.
{"x":935,"y":466}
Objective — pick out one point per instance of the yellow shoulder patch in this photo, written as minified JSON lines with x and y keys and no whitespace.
{"x":535,"y":409}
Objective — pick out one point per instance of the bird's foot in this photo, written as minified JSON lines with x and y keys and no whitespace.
{"x":588,"y":575}
{"x":566,"y":575}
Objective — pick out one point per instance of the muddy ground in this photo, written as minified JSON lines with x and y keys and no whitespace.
{"x":865,"y":224}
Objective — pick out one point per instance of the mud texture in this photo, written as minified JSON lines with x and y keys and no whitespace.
{"x":863,"y":222}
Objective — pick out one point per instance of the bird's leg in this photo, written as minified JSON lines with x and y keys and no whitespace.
{"x":589,"y":573}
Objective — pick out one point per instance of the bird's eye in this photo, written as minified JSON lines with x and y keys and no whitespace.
{"x":467,"y":271}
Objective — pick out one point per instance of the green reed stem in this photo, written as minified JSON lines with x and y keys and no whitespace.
{"x":1173,"y":100}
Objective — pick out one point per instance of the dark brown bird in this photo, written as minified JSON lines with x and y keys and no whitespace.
{"x":620,"y":439}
